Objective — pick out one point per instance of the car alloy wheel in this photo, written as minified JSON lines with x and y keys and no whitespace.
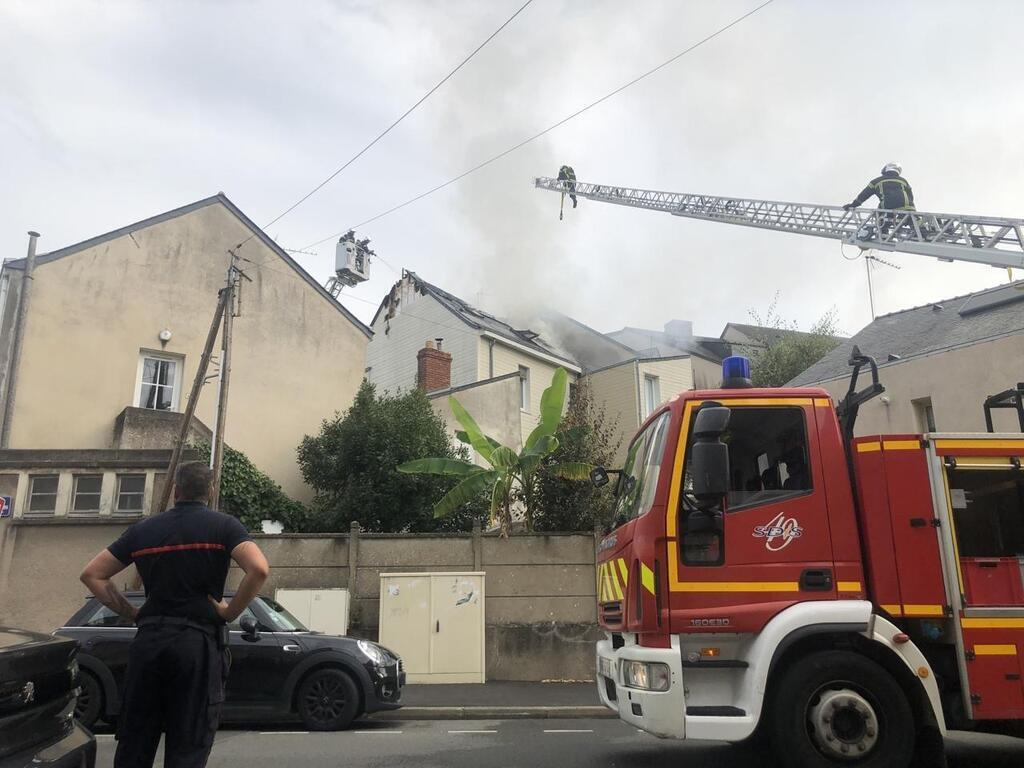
{"x":327,"y":700}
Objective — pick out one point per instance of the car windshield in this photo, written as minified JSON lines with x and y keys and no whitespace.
{"x":280,"y":619}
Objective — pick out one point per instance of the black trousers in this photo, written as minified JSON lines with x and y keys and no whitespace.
{"x":174,"y":686}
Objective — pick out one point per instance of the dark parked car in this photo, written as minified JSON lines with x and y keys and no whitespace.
{"x":278,"y":668}
{"x":38,"y":689}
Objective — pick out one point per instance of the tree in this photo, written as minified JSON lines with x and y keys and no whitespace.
{"x":250,"y":495}
{"x":512,"y":476}
{"x":786,"y":351}
{"x":587,"y":437}
{"x":351,"y":465}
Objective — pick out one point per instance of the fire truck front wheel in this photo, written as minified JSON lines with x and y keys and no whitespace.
{"x":836,"y":708}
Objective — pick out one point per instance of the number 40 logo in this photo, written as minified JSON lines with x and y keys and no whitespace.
{"x":779,"y":533}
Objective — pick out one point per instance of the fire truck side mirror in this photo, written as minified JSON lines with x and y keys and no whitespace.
{"x":599,"y":477}
{"x":710,"y":462}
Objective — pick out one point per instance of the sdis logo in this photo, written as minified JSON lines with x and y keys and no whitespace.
{"x":779,"y":533}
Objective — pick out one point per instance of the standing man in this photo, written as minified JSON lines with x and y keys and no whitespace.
{"x":568,"y":175}
{"x":178,"y":662}
{"x":893,"y":191}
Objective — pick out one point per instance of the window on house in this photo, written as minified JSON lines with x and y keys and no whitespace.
{"x":524,"y":387}
{"x":42,"y":494}
{"x":925,"y":414}
{"x":652,"y":394}
{"x":86,"y":496}
{"x":130,"y":490}
{"x":159,"y":382}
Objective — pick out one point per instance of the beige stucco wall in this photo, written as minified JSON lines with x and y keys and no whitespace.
{"x":494,"y":405}
{"x":296,"y":358}
{"x":706,"y":373}
{"x":957,"y":381}
{"x":507,"y":359}
{"x":674,"y":376}
{"x":616,"y":389}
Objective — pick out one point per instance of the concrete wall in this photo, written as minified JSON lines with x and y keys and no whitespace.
{"x":956,"y":380}
{"x":297,"y":359}
{"x":540,"y":590}
{"x":493,"y":404}
{"x":391,"y":355}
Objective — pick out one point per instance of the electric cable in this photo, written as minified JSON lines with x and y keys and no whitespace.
{"x":387,"y":130}
{"x":547,"y":130}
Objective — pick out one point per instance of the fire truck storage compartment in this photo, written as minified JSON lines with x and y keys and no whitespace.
{"x":900,"y":526}
{"x":993,"y":581}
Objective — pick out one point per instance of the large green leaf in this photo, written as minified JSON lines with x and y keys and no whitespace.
{"x":439,"y":466}
{"x":498,"y":497}
{"x":504,"y":458}
{"x":462,"y":437}
{"x":551,"y":404}
{"x":571,"y":470}
{"x":476,"y":436}
{"x":544,"y":445}
{"x":465,"y":492}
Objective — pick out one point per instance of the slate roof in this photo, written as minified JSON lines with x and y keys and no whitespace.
{"x":480,"y":320}
{"x":221,"y":198}
{"x":946,"y":324}
{"x":768,"y":334}
{"x":649,"y":344}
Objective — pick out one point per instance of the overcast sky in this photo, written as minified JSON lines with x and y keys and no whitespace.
{"x":114,"y":111}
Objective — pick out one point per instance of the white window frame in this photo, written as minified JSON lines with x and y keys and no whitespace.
{"x":75,"y":477}
{"x":652,"y":394}
{"x":116,"y":507}
{"x":178,"y":360}
{"x":524,"y":389}
{"x":29,"y":512}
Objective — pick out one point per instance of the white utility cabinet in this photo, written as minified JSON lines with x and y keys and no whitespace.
{"x":322,"y":610}
{"x":435,"y":622}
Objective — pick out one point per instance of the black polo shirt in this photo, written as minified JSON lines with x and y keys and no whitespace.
{"x":183,"y":556}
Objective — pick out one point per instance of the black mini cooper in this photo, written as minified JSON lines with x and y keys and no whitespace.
{"x":278,"y":669}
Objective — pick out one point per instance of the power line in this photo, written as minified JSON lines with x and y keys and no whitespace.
{"x":404,"y":115}
{"x":547,"y":130}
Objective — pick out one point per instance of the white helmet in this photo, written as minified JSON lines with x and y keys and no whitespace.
{"x":892,"y":167}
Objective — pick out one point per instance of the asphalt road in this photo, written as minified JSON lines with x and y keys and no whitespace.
{"x":511,"y":743}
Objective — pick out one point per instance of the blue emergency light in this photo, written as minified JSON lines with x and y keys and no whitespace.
{"x":736,"y":372}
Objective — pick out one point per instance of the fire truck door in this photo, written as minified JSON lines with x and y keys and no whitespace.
{"x":776,"y":548}
{"x":986,"y":502}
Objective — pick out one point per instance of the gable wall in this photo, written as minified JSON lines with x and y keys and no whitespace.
{"x":296,"y":358}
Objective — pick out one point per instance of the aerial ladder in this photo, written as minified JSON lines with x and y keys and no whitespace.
{"x":991,"y":240}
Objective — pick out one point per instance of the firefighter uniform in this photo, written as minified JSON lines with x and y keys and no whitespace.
{"x":178,"y":662}
{"x":893,"y":191}
{"x":568,"y":175}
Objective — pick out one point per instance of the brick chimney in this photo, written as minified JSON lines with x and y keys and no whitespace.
{"x":434,"y":368}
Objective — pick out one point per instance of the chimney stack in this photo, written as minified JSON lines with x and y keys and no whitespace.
{"x":434,"y":368}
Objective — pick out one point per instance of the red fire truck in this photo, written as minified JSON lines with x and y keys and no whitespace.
{"x":770,"y":574}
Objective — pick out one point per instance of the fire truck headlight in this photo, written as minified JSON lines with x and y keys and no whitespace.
{"x":648,"y":676}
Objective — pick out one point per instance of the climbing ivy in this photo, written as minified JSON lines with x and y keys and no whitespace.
{"x":250,"y":495}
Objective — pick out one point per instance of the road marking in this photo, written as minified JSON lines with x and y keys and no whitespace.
{"x":284,"y":733}
{"x":472,"y":731}
{"x":378,"y":732}
{"x":568,"y":730}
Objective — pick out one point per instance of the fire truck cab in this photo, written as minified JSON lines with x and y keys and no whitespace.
{"x":847,"y":597}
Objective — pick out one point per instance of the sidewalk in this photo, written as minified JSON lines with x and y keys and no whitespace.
{"x":498,"y":700}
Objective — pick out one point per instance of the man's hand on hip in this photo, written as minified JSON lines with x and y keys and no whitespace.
{"x":223,"y":609}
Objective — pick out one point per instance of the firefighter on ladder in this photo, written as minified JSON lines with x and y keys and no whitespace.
{"x":567,"y":175}
{"x":893,"y":192}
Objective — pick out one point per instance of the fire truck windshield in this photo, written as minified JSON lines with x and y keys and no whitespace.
{"x":639,"y":478}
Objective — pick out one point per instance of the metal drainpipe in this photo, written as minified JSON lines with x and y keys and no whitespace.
{"x":490,"y":358}
{"x":639,"y":396}
{"x":19,"y":334}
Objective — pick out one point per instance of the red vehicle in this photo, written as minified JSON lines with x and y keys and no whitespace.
{"x":849,"y":598}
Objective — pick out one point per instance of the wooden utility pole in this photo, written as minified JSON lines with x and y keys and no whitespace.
{"x":193,"y":398}
{"x":233,"y":308}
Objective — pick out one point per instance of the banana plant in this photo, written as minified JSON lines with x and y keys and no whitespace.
{"x":509,"y":473}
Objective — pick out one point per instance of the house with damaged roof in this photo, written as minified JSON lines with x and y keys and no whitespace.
{"x":427,"y":337}
{"x":938,"y":362}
